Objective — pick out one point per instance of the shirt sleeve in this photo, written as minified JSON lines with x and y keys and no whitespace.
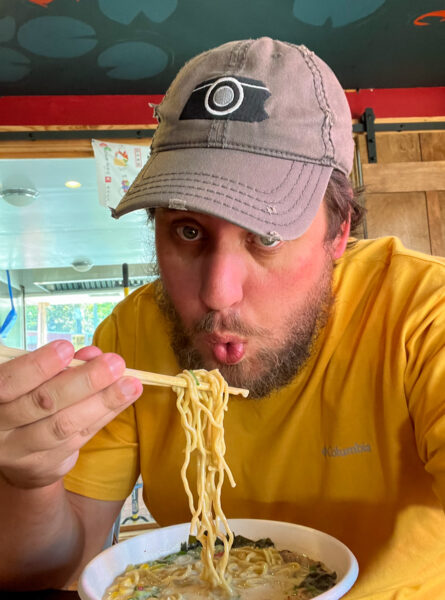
{"x":425,"y":385}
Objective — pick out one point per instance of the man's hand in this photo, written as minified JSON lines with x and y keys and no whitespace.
{"x":48,"y":412}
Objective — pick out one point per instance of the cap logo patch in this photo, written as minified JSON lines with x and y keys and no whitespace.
{"x":234,"y":98}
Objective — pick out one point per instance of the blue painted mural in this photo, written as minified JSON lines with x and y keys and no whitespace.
{"x":137,"y":46}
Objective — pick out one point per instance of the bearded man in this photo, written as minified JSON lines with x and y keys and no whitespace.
{"x":340,"y":342}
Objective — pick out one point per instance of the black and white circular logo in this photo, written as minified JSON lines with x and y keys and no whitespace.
{"x":228,"y":97}
{"x":224,"y":96}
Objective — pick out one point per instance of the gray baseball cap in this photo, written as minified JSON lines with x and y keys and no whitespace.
{"x":248,"y":132}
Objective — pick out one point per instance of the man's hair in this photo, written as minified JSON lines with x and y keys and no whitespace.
{"x":341,"y":200}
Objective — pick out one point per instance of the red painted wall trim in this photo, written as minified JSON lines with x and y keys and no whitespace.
{"x":399,"y":103}
{"x":77,"y":110}
{"x":396,"y":103}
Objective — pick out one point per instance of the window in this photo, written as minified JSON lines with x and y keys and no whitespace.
{"x":71,"y":317}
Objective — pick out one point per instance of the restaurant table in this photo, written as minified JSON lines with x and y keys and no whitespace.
{"x":43,"y":595}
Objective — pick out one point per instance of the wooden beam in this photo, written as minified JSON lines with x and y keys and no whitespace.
{"x":403,"y":214}
{"x":64,"y":148}
{"x":59,"y":148}
{"x":404,"y":176}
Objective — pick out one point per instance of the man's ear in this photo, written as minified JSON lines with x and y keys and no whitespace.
{"x":339,"y":244}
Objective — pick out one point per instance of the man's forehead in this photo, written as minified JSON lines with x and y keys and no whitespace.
{"x":171,"y":213}
{"x":202,"y":217}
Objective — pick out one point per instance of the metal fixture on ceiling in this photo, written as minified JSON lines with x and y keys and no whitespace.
{"x":88,"y":285}
{"x":19,"y":196}
{"x":82,"y":264}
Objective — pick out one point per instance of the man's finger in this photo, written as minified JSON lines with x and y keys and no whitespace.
{"x":25,"y":373}
{"x":88,"y":353}
{"x":72,"y":427}
{"x":41,"y":453}
{"x":68,"y":388}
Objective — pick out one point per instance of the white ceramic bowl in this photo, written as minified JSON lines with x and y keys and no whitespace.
{"x":102,"y":570}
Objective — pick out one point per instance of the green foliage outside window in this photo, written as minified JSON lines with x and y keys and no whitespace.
{"x":70,"y":318}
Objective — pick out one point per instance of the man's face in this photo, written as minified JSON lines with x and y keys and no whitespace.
{"x":238,"y":303}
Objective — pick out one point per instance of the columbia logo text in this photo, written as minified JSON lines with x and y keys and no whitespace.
{"x":336,"y":451}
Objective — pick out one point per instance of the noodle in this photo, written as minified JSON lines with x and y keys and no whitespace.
{"x":251,"y":570}
{"x":202,"y":418}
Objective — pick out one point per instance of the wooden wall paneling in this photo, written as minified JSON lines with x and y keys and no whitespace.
{"x":398,"y":147}
{"x":409,"y":163}
{"x":387,"y":212}
{"x":392,"y":147}
{"x":46,"y":149}
{"x":65,"y":147}
{"x":432,"y":145}
{"x":435,"y":202}
{"x":404,"y":176}
{"x":58,"y":148}
{"x":400,"y":214}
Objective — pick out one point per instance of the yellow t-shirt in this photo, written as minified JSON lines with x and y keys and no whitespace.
{"x":354,"y":446}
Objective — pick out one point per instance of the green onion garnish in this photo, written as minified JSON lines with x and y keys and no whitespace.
{"x":194,"y":377}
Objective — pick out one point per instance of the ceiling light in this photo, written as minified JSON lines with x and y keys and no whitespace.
{"x":19,"y":196}
{"x":82,"y":265}
{"x":73,"y":184}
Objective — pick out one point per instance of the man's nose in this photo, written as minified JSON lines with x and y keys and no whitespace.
{"x":222,"y":279}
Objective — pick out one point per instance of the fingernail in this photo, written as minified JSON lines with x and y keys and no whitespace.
{"x":127,"y":387}
{"x":115,"y":363}
{"x":64,"y":350}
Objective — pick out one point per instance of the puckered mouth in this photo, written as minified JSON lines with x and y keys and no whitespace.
{"x":225,"y":338}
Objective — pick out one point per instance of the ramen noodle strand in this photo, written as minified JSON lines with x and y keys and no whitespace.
{"x":202,"y":418}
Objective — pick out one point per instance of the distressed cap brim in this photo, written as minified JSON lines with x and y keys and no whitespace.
{"x":273,"y":197}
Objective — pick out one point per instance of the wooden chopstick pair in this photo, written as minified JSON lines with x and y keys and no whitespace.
{"x":145,"y":377}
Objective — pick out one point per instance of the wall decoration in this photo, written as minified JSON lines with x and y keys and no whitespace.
{"x":57,"y":37}
{"x":41,"y":2}
{"x":14,"y":66}
{"x":135,"y":47}
{"x":125,"y":12}
{"x":339,"y":13}
{"x":133,"y":60}
{"x":430,"y":17}
{"x":116,"y":166}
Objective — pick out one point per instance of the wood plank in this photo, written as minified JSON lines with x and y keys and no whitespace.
{"x":392,"y":147}
{"x":435,"y":202}
{"x":432,"y":145}
{"x":64,"y":148}
{"x":58,"y":148}
{"x":404,"y":176}
{"x":436,"y":119}
{"x":400,"y":214}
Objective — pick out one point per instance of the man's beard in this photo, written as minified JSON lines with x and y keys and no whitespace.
{"x":278,"y":361}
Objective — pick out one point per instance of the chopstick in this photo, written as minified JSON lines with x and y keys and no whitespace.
{"x":145,"y":377}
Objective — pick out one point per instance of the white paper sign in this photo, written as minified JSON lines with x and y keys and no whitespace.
{"x":117,"y":166}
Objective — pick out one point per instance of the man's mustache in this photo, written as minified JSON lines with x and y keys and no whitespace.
{"x":229,"y":323}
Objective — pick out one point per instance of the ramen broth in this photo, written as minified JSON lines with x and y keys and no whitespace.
{"x":253,"y":572}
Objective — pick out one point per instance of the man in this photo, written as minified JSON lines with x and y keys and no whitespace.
{"x":341,"y":349}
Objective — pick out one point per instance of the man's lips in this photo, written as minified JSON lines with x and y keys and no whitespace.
{"x":227,"y":349}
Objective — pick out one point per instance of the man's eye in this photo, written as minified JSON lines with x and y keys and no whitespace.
{"x":189,"y":233}
{"x":266,"y":241}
